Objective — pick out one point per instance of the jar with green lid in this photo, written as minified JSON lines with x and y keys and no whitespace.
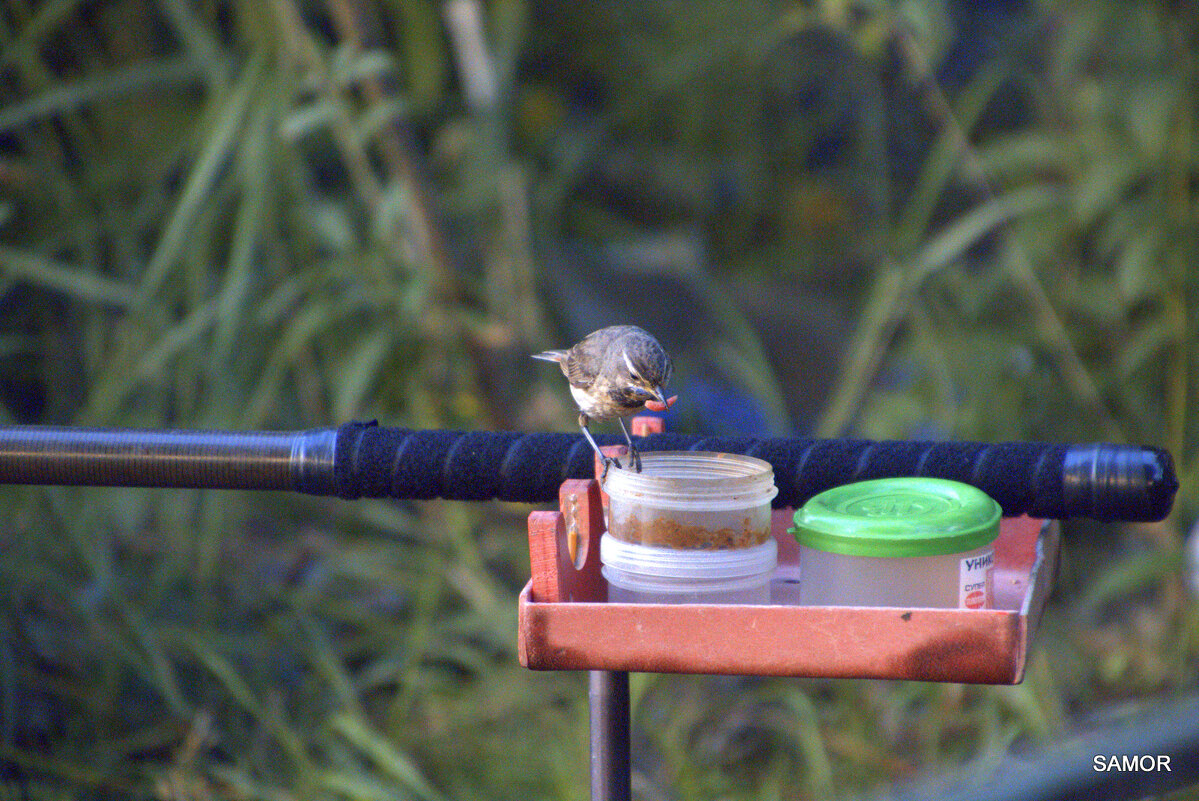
{"x":905,"y":542}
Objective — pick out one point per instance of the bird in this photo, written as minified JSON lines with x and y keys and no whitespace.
{"x":615,"y":372}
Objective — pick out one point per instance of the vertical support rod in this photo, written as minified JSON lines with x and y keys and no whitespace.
{"x":608,"y":692}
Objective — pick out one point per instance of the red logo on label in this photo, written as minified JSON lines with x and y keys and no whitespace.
{"x":976,"y":599}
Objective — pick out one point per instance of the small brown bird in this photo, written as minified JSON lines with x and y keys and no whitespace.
{"x":613,"y":373}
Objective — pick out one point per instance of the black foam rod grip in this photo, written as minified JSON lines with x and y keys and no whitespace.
{"x":1102,"y":481}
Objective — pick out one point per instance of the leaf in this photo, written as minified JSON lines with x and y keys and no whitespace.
{"x":358,"y":372}
{"x":1148,"y":119}
{"x":329,"y":223}
{"x":1138,"y":266}
{"x":304,"y":325}
{"x":942,"y":161}
{"x":161,"y":668}
{"x":239,"y":690}
{"x":384,"y":754}
{"x":36,"y":28}
{"x":350,"y":65}
{"x":203,"y":47}
{"x":222,"y":137}
{"x":377,"y":117}
{"x":425,"y":56}
{"x":175,"y":340}
{"x":1095,"y":297}
{"x":226,"y":674}
{"x":811,"y":743}
{"x":322,"y":657}
{"x":952,"y":241}
{"x":153,"y":362}
{"x":1019,"y":155}
{"x":1131,"y":575}
{"x":1146,"y":343}
{"x":254,"y":161}
{"x":308,"y":119}
{"x":357,"y":786}
{"x":248,"y":786}
{"x":40,"y":271}
{"x":64,"y":97}
{"x":37,"y":761}
{"x":1097,"y":191}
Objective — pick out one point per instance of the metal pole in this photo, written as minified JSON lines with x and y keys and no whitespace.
{"x":366,"y":460}
{"x":300,"y":461}
{"x":608,"y":692}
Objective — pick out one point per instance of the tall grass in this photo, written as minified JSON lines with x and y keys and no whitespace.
{"x":285,"y":215}
{"x":217,"y":218}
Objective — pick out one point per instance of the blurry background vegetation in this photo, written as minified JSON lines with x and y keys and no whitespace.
{"x":911,"y":219}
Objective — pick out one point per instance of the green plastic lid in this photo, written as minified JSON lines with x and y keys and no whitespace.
{"x":898,"y":517}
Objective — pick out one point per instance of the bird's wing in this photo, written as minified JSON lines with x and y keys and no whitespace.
{"x":580,"y":373}
{"x":586,"y":359}
{"x":582,"y":362}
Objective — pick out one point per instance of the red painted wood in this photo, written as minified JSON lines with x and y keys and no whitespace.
{"x":643,"y":426}
{"x":546,"y":530}
{"x":583,"y":512}
{"x":988,"y":646}
{"x":838,"y":642}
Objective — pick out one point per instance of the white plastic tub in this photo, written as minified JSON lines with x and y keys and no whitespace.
{"x":907,"y":542}
{"x":645,"y":574}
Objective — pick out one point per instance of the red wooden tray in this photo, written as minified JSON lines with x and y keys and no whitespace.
{"x":567,"y":624}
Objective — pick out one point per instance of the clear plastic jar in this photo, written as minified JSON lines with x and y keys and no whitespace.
{"x":691,"y":527}
{"x":692,"y":500}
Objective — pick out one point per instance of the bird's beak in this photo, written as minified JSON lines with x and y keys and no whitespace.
{"x":660,"y":395}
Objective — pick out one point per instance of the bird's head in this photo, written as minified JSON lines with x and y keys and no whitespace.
{"x":645,"y":368}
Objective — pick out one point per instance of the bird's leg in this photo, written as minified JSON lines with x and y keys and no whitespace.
{"x":634,"y":455}
{"x":607,"y":460}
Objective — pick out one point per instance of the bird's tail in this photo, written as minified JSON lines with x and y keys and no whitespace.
{"x":551,"y":356}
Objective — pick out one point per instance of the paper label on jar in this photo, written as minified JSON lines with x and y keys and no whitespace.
{"x":976,"y":582}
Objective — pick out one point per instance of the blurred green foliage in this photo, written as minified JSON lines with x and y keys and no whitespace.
{"x":284,"y":215}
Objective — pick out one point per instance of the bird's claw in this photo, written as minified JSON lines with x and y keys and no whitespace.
{"x":635,"y":459}
{"x":608,"y":462}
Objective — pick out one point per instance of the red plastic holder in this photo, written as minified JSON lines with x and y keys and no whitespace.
{"x":566,"y":622}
